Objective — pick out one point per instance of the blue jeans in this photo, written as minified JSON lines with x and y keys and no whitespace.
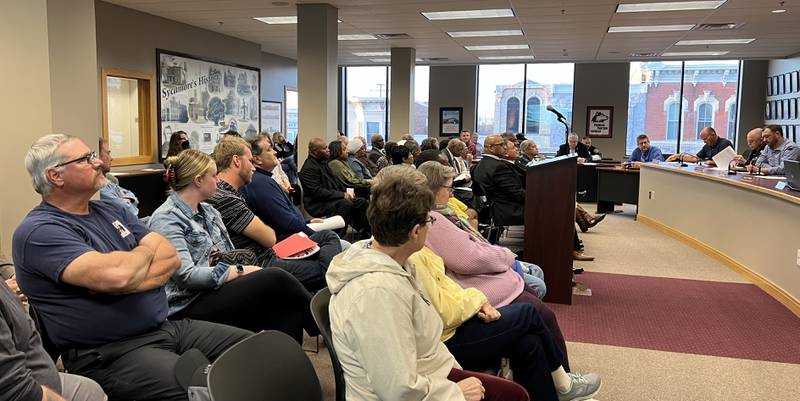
{"x":521,"y":336}
{"x":533,"y":276}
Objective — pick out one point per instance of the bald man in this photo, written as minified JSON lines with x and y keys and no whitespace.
{"x":713,"y":145}
{"x":324,"y":195}
{"x":755,"y":145}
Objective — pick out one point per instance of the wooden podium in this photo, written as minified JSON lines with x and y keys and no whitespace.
{"x":550,"y":223}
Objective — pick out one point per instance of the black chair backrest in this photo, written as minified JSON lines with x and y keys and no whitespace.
{"x":48,"y":345}
{"x":268,"y":366}
{"x":319,"y":309}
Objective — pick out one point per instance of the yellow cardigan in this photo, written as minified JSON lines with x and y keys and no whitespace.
{"x":454,"y":304}
{"x":459,"y":207}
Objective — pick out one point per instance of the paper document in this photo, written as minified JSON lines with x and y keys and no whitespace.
{"x":462,"y":177}
{"x":724,"y":157}
{"x":331,"y":223}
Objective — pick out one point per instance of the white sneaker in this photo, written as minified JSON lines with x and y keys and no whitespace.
{"x":583,"y":388}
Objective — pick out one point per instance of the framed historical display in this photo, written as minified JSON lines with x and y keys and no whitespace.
{"x":271,"y":116}
{"x":451,"y":120}
{"x":205,"y":98}
{"x":599,"y":121}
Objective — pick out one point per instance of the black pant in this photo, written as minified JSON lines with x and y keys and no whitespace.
{"x":268,"y":299}
{"x":311,"y":271}
{"x":143,"y":367}
{"x":520,"y":335}
{"x":354,"y":212}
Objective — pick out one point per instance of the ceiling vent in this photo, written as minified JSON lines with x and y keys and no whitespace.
{"x":644,"y":54}
{"x":386,"y":36}
{"x":717,"y":27}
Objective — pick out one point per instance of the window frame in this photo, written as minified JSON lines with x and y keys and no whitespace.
{"x":148,"y":149}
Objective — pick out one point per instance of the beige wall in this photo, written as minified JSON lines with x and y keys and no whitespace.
{"x":602,"y":84}
{"x":452,"y":86}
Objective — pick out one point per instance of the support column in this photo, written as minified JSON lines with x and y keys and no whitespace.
{"x":316,"y":74}
{"x":401,"y":106}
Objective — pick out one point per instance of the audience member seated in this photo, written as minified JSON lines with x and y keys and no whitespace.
{"x":178,"y":141}
{"x":574,"y":147}
{"x":215,"y":281}
{"x":397,"y":355}
{"x":28,"y":372}
{"x":324,"y":195}
{"x":283,"y":148}
{"x":644,"y":153}
{"x":99,"y":292}
{"x":287,"y":156}
{"x":456,"y":154}
{"x":340,"y":168}
{"x":462,"y":210}
{"x":413,"y":146}
{"x":528,"y":152}
{"x":429,"y":143}
{"x":376,"y":152}
{"x":777,"y":150}
{"x":386,"y":159}
{"x":465,"y":251}
{"x":112,"y":191}
{"x":593,"y":151}
{"x":401,"y":155}
{"x":713,"y":145}
{"x":478,"y":335}
{"x":233,"y":159}
{"x":360,"y":156}
{"x":755,"y":145}
{"x":475,"y":148}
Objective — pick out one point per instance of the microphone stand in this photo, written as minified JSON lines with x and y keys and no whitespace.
{"x":682,"y":163}
{"x":566,"y":128}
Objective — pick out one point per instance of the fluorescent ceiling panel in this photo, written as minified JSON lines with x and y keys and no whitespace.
{"x":380,"y":60}
{"x":468,"y":14}
{"x":496,"y":47}
{"x":649,"y":28}
{"x":357,"y":37}
{"x":289,"y":19}
{"x":506,"y":58}
{"x":670,"y":6}
{"x":481,"y":34}
{"x":715,"y":42}
{"x":690,"y":54}
{"x":372,"y":54}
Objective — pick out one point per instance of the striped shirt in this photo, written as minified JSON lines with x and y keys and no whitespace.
{"x":235,"y":215}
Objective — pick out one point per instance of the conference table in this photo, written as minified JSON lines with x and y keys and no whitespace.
{"x":741,"y":220}
{"x":616,"y":184}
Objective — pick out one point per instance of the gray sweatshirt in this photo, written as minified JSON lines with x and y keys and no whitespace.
{"x":24,"y":365}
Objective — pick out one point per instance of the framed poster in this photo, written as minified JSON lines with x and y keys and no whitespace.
{"x":205,"y":98}
{"x":271,"y":116}
{"x":767,"y":114}
{"x":451,"y":120}
{"x":770,"y":86}
{"x":599,"y":121}
{"x":796,"y":79}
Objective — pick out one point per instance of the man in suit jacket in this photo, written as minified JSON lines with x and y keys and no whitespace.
{"x":500,"y":182}
{"x":573,"y":145}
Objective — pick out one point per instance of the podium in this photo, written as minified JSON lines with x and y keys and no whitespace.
{"x":550,"y":223}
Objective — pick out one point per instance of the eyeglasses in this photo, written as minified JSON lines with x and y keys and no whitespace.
{"x":449,"y":188}
{"x":502,"y":145}
{"x":430,"y":219}
{"x":88,"y":159}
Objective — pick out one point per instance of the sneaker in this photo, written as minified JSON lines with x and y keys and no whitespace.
{"x":584,"y":387}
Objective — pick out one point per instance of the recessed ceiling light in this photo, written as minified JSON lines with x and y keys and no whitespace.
{"x":480,"y":34}
{"x":689,"y":54}
{"x":779,"y":11}
{"x":496,"y":47}
{"x":380,"y":60}
{"x":289,"y":19}
{"x":715,"y":42}
{"x":372,"y":54}
{"x":468,"y":14}
{"x":505,"y":58}
{"x":357,"y":37}
{"x":649,"y":28}
{"x":670,"y":6}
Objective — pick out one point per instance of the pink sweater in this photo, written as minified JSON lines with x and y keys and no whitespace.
{"x":475,"y":264}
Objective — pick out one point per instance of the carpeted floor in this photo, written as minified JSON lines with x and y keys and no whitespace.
{"x":679,"y":315}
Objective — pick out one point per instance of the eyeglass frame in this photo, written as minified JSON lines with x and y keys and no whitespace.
{"x":430,"y":219}
{"x":87,"y":158}
{"x":450,"y":188}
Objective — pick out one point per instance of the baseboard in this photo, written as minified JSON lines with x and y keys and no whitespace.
{"x":792,"y":303}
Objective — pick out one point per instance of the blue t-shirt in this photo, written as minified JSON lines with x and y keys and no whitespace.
{"x":48,"y":240}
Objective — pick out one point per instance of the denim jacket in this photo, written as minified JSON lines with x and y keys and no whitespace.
{"x":195,"y":236}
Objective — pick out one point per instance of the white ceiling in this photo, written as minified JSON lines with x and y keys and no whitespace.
{"x":556,"y":30}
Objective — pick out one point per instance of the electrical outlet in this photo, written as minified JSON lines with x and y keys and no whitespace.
{"x":651,"y":194}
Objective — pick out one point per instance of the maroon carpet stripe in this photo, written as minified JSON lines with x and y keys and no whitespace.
{"x":690,"y":316}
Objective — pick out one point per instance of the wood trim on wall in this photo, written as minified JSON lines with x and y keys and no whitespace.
{"x":792,"y":303}
{"x":147,"y":111}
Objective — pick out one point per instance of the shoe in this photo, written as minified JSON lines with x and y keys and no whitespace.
{"x":595,"y":221}
{"x":584,"y":387}
{"x":581,"y":256}
{"x":577,"y":270}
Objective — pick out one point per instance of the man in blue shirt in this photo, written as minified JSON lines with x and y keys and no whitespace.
{"x":95,"y":274}
{"x":645,"y":153}
{"x":713,"y":145}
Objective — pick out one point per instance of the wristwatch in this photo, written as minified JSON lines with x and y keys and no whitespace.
{"x":239,"y":269}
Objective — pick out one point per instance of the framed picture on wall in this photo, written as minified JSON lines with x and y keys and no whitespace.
{"x":599,"y":121}
{"x":796,"y":79}
{"x":451,"y":120}
{"x":767,"y":113}
{"x":770,"y":92}
{"x":271,"y":116}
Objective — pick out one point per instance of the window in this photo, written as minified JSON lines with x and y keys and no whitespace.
{"x":672,"y":114}
{"x":366,"y":92}
{"x":421,"y":89}
{"x":291,"y":114}
{"x":128,"y":125}
{"x":498,"y":84}
{"x":512,"y":115}
{"x":533,"y":115}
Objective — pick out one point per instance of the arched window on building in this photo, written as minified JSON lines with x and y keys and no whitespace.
{"x":512,"y":115}
{"x":705,"y":114}
{"x":533,"y":116}
{"x":731,"y":120}
{"x":672,"y":121}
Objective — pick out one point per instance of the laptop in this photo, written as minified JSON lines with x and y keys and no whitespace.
{"x":792,"y":169}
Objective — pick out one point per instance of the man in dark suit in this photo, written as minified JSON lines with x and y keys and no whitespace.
{"x":501,"y":184}
{"x":573,"y":145}
{"x":592,"y":149}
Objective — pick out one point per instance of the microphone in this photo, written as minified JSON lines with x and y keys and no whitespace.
{"x":682,"y":163}
{"x":556,"y":112}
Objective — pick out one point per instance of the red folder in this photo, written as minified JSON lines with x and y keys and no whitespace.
{"x":293,"y":245}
